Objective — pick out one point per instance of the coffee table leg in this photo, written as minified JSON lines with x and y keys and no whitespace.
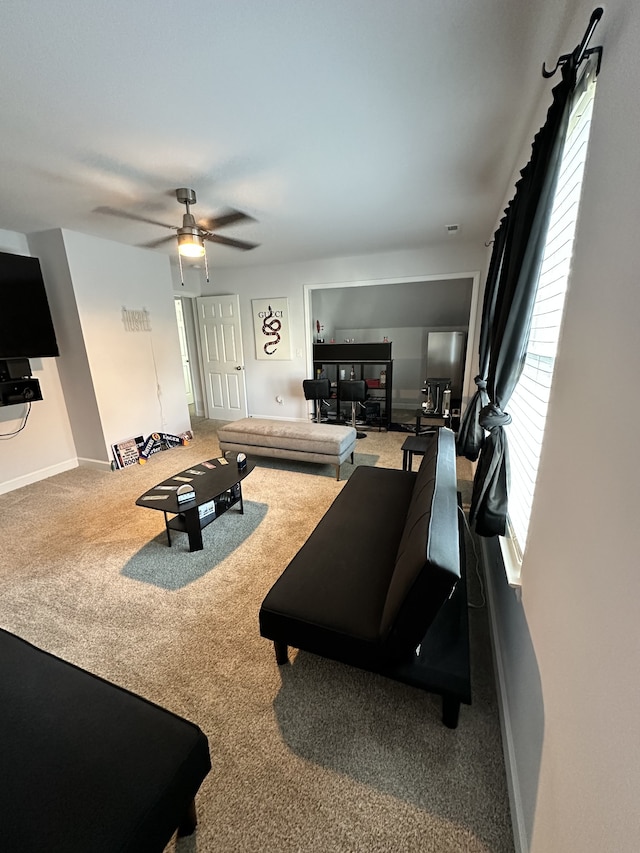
{"x":194,"y":531}
{"x":241,"y":501}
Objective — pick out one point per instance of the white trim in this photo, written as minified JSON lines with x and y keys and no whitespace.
{"x":96,"y":464}
{"x":40,"y":474}
{"x":192,"y":333}
{"x":521,"y":843}
{"x":512,"y":559}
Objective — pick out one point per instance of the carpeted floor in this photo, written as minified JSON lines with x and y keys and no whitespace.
{"x":316,"y":756}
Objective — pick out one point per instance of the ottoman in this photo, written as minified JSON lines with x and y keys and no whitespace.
{"x":299,"y":440}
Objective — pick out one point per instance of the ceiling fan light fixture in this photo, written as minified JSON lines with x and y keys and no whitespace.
{"x":190,"y":243}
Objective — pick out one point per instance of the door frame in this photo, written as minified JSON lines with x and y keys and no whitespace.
{"x":193,"y":350}
{"x":468,"y":386}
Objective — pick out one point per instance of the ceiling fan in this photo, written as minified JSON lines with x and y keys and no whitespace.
{"x":191,"y":234}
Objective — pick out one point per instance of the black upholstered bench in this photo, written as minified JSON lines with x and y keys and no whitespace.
{"x":86,"y":766}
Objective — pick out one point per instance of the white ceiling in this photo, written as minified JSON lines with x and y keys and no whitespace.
{"x":343,"y":126}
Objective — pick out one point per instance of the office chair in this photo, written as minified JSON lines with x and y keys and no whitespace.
{"x":316,"y":390}
{"x":355,"y":392}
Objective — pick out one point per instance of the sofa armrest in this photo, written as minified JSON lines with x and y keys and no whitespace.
{"x":427,"y":565}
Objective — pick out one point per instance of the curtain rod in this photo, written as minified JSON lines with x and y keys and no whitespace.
{"x":581,"y":50}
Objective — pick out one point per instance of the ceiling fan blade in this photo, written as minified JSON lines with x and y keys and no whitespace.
{"x":228,"y":218}
{"x":152,"y":244}
{"x":112,"y":211}
{"x":226,"y":241}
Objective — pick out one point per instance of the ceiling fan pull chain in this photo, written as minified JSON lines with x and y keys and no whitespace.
{"x":181,"y":273}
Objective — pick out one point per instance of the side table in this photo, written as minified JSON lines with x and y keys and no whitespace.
{"x":414,"y":444}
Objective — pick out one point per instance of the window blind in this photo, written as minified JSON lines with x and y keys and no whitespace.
{"x":529,"y":401}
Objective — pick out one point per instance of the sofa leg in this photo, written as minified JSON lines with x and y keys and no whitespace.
{"x":281,"y":650}
{"x":189,"y":821}
{"x":450,"y":711}
{"x":337,"y":472}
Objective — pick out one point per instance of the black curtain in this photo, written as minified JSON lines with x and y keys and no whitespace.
{"x":471,"y":434}
{"x":506,"y":334}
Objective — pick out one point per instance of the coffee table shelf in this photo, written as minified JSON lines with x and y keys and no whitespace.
{"x":220,"y":505}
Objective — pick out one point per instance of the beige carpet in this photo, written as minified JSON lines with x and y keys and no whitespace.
{"x":316,"y":756}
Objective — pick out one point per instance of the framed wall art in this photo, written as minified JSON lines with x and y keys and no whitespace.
{"x":271,"y":326}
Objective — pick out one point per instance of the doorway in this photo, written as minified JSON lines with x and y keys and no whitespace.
{"x":404,"y":310}
{"x":184,"y":352}
{"x":187,"y":335}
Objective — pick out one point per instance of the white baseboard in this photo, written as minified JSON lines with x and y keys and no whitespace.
{"x":96,"y":464}
{"x":36,"y":476}
{"x":52,"y":470}
{"x":521,"y":843}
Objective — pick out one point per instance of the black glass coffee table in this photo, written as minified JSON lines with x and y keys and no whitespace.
{"x":217,"y":484}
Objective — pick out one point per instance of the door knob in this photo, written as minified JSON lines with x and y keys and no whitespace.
{"x":239,"y":367}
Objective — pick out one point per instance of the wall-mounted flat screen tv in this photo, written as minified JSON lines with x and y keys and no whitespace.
{"x":26,"y":328}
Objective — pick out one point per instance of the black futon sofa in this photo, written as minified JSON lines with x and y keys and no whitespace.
{"x":87,"y":767}
{"x":378,"y":584}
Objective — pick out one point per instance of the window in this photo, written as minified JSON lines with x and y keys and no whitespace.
{"x":529,"y":402}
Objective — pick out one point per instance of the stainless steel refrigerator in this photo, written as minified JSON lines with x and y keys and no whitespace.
{"x":445,"y":354}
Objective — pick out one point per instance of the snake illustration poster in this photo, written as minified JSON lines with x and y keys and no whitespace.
{"x":271,"y":325}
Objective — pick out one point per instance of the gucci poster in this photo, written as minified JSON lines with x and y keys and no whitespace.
{"x":271,"y":326}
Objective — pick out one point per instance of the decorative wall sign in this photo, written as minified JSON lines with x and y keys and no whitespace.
{"x":271,"y":325}
{"x":136,"y":320}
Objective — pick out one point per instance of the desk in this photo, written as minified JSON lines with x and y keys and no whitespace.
{"x":217,"y":487}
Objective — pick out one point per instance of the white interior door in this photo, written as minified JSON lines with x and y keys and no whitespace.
{"x":222,"y":358}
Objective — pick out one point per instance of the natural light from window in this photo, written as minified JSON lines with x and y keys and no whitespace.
{"x":529,"y":402}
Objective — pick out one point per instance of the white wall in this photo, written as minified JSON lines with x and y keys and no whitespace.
{"x":73,"y":367}
{"x":267,"y":380}
{"x":45,"y":446}
{"x":108,"y":383}
{"x":137,"y":376}
{"x":570,"y":654}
